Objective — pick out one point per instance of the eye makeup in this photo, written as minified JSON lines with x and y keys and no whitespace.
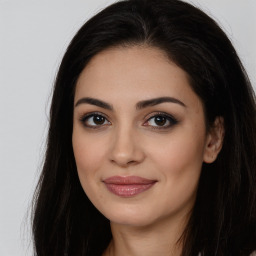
{"x":156,"y":121}
{"x":94,"y":120}
{"x":161,"y":121}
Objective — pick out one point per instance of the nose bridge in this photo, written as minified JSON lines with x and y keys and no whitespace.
{"x":125,"y":146}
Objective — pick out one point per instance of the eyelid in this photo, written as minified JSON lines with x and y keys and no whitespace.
{"x":173,"y":121}
{"x":159,"y":113}
{"x":84,"y":117}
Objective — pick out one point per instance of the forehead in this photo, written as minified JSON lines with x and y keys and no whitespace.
{"x":133,"y":73}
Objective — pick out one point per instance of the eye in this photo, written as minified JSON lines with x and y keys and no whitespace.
{"x":161,"y":121}
{"x":94,"y":120}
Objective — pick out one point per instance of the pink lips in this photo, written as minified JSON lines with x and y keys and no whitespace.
{"x":128,"y":186}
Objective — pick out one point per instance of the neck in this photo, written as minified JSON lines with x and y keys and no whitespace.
{"x":162,"y":238}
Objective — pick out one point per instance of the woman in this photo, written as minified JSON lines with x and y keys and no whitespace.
{"x":151,"y":145}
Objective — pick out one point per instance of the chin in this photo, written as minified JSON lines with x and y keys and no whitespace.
{"x":133,"y":221}
{"x":131,"y":216}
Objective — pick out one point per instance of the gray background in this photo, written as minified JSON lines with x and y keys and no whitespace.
{"x":33,"y":37}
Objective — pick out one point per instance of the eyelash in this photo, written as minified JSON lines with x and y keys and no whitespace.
{"x":85,"y":118}
{"x":168,"y":118}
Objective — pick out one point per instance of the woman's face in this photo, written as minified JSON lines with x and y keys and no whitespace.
{"x":139,"y":136}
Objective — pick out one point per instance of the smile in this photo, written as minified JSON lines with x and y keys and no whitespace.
{"x":128,"y":186}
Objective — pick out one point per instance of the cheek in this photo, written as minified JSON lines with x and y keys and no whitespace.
{"x":178,"y":151}
{"x":89,"y":156}
{"x":179,"y":162}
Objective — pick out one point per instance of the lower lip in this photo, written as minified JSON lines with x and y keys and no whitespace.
{"x":128,"y":190}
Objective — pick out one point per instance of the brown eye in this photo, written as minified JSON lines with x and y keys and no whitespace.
{"x":94,"y":121}
{"x":161,"y":121}
{"x":98,"y":120}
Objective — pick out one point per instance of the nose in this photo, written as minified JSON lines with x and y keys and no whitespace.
{"x":126,"y":148}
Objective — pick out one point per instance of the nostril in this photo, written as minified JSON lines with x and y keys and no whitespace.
{"x":123,"y":163}
{"x":131,"y":162}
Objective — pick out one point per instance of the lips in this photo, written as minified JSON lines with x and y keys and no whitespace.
{"x":128,"y":186}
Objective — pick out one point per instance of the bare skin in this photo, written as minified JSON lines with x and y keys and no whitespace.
{"x":150,"y":241}
{"x":135,"y":114}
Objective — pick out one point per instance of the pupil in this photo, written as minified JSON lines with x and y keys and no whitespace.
{"x":98,"y":119}
{"x":160,"y":120}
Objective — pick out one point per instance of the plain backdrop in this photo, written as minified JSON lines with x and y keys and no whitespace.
{"x":33,"y":37}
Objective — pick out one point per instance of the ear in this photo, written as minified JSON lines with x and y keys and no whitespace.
{"x":214,"y":140}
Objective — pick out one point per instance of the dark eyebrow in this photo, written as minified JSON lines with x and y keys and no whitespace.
{"x":139,"y":105}
{"x":95,"y":102}
{"x":156,"y":101}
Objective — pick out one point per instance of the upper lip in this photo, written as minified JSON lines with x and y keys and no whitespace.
{"x":127,"y":180}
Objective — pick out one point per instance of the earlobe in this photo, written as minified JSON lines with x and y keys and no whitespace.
{"x":214,"y":140}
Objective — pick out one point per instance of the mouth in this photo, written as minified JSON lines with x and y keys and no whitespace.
{"x":128,"y":186}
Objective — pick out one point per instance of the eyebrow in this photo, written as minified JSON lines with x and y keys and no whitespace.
{"x":156,"y":101}
{"x":94,"y":102}
{"x":139,"y":105}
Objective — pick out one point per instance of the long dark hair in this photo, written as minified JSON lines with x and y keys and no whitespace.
{"x":223,"y":221}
